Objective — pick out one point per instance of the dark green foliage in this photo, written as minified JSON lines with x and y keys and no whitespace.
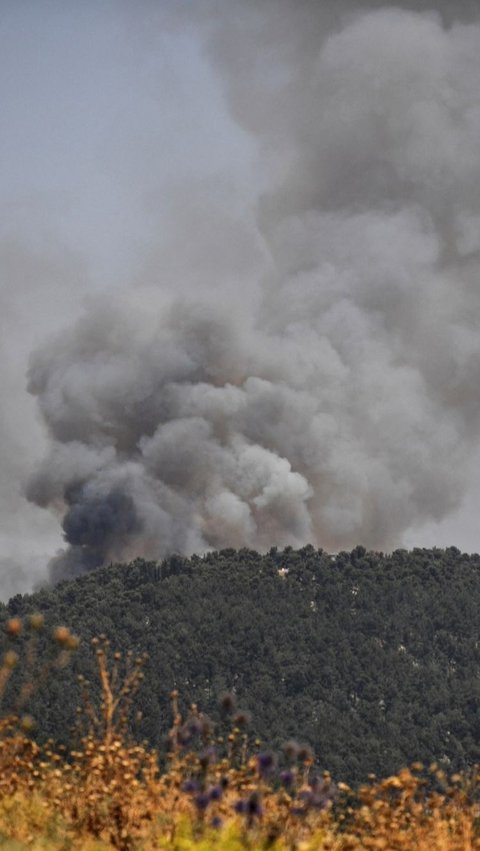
{"x":373,"y":660}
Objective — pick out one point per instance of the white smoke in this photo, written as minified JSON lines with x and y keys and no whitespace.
{"x":338,"y":402}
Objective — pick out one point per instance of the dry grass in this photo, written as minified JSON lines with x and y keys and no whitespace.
{"x":215,"y":793}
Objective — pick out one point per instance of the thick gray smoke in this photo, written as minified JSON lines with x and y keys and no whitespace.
{"x":341,"y":406}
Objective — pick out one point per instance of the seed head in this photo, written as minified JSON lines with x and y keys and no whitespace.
{"x":241,"y":719}
{"x":305,"y":754}
{"x":13,"y":626}
{"x":10,"y":659}
{"x":27,"y":723}
{"x":62,"y":634}
{"x":36,"y":620}
{"x":228,"y":702}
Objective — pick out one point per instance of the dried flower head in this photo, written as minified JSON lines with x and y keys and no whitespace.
{"x":36,"y":621}
{"x":13,"y":627}
{"x":242,"y":718}
{"x":228,"y":702}
{"x":62,"y":635}
{"x":10,"y":659}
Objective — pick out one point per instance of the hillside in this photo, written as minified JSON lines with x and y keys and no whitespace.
{"x":372,"y":660}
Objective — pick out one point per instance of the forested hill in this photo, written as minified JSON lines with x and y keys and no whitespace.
{"x":373,"y":660}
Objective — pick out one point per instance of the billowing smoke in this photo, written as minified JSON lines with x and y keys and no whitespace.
{"x":341,"y":404}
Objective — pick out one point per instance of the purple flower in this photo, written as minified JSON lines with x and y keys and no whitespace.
{"x":265,"y":762}
{"x":194,"y":727}
{"x":287,"y":779}
{"x":215,"y":793}
{"x":202,"y":800}
{"x":306,"y":796}
{"x":184,"y":736}
{"x":190,"y":786}
{"x":298,"y":811}
{"x":252,"y":807}
{"x":216,"y":822}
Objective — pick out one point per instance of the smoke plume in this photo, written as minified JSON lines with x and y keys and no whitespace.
{"x":338,"y":402}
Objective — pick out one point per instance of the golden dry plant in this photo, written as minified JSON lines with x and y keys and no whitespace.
{"x":223,"y":792}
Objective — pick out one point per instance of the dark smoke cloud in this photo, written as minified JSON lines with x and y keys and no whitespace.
{"x":338,"y":402}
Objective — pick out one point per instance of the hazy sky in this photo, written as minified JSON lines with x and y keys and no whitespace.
{"x":151,"y":150}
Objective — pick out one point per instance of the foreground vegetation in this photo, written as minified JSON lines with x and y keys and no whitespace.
{"x":214,"y":791}
{"x":373,"y":660}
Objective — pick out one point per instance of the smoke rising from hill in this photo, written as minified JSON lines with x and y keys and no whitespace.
{"x":338,"y":402}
